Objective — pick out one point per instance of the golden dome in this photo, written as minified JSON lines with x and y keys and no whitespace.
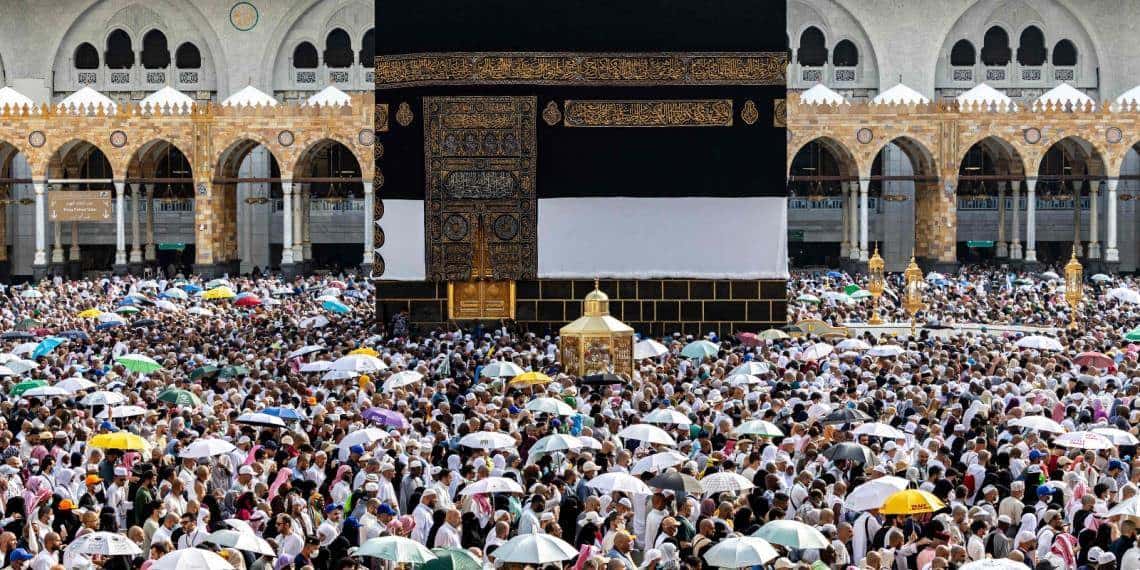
{"x":596,"y":303}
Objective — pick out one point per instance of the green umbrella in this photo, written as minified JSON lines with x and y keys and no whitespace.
{"x":138,"y":363}
{"x":1133,"y":335}
{"x":179,"y":397}
{"x":28,"y":324}
{"x":396,"y":549}
{"x":22,"y":387}
{"x":851,"y":289}
{"x":452,"y":559}
{"x":127,"y":310}
{"x":805,"y":298}
{"x":233,"y":371}
{"x":700,"y":349}
{"x":203,"y":371}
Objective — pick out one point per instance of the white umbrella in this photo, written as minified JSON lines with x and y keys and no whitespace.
{"x":207,"y":447}
{"x":175,"y":293}
{"x":1124,"y":295}
{"x":751,"y":367}
{"x":885,"y":350}
{"x":617,"y":481}
{"x":361,"y":363}
{"x":725,"y":481}
{"x":744,"y":380}
{"x":22,"y":365}
{"x":501,"y":369}
{"x":759,"y":428}
{"x":487,"y":440}
{"x":46,"y":392}
{"x":935,"y":276}
{"x":647,"y":433}
{"x":994,"y":564}
{"x":852,"y":344}
{"x":870,"y":495}
{"x":648,"y":348}
{"x":103,"y":398}
{"x":837,"y":297}
{"x":492,"y":485}
{"x":202,"y":311}
{"x":166,"y":306}
{"x":315,"y":322}
{"x":260,"y":419}
{"x":1117,"y":436}
{"x":104,"y":544}
{"x":740,"y":552}
{"x":401,"y":379}
{"x":817,"y":351}
{"x":589,"y":442}
{"x":552,"y":406}
{"x":1084,"y":440}
{"x":878,"y":429}
{"x":110,"y":318}
{"x":1051,"y":276}
{"x":1039,"y":423}
{"x":555,"y":442}
{"x":191,"y":559}
{"x":25,"y":348}
{"x":538,"y":548}
{"x":5,"y":371}
{"x":31,"y":294}
{"x":1101,"y":278}
{"x":305,"y":350}
{"x":1039,"y":342}
{"x":121,"y":412}
{"x":666,"y":416}
{"x":793,"y":534}
{"x":339,"y":375}
{"x":238,"y":540}
{"x":318,"y":366}
{"x":396,"y":549}
{"x":360,"y":437}
{"x":657,"y":462}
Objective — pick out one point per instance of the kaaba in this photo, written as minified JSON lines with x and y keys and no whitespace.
{"x":526,"y":148}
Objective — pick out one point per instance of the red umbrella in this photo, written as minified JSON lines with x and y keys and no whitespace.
{"x":749,"y":339}
{"x":249,"y":301}
{"x":1094,"y":359}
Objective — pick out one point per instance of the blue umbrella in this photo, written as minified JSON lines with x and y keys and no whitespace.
{"x":47,"y":345}
{"x":835,"y":274}
{"x":109,"y":325}
{"x":74,"y":335}
{"x":336,"y":306}
{"x":288,"y":414}
{"x":355,"y":294}
{"x":190,"y":288}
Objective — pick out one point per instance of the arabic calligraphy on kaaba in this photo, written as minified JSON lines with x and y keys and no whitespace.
{"x":668,"y":113}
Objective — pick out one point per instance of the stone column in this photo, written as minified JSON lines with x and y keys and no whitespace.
{"x":287,"y":224}
{"x":1015,"y":227}
{"x":120,"y":229}
{"x":40,"y":258}
{"x":306,"y":229}
{"x":298,"y":233}
{"x":1031,"y":220}
{"x":57,"y":242}
{"x":1112,"y":255}
{"x":1076,"y":194}
{"x":1094,"y":223}
{"x":73,"y":255}
{"x":844,"y":244}
{"x":148,"y":251}
{"x":370,"y":226}
{"x":1002,"y":248}
{"x":853,"y":225}
{"x":136,"y":241}
{"x":864,"y":188}
{"x":245,"y":233}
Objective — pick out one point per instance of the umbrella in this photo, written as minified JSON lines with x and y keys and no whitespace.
{"x":123,"y":440}
{"x":1051,"y":276}
{"x":1101,"y":278}
{"x":740,"y":552}
{"x":452,"y":559}
{"x":759,"y":428}
{"x":256,"y":419}
{"x":305,"y":350}
{"x":677,"y":482}
{"x":127,"y":310}
{"x":809,"y":299}
{"x":238,"y":540}
{"x":657,"y":462}
{"x":700,"y":350}
{"x":25,"y":348}
{"x":103,"y":398}
{"x":191,"y":559}
{"x":232,"y":371}
{"x":773,"y":334}
{"x":870,"y":495}
{"x":75,"y":384}
{"x":207,"y":447}
{"x":401,"y":379}
{"x":74,"y":335}
{"x":19,"y":389}
{"x":359,"y":363}
{"x":617,"y":481}
{"x":647,"y":433}
{"x":489,"y":485}
{"x":849,"y":451}
{"x":121,"y":412}
{"x":318,"y":366}
{"x":190,"y":288}
{"x":335,"y":307}
{"x":530,"y":379}
{"x":315,"y":322}
{"x":751,"y":368}
{"x":885,"y":351}
{"x":1117,"y":436}
{"x":174,"y":293}
{"x":1087,"y":440}
{"x":935,"y":276}
{"x":877,"y":429}
{"x":911,"y":502}
{"x":361,"y":437}
{"x":501,"y":369}
{"x":17,"y":335}
{"x":365,"y":350}
{"x":1093,"y":359}
{"x":1133,"y":335}
{"x":551,"y":406}
{"x":846,"y":415}
{"x":388,"y":418}
{"x":861,"y":294}
{"x":397,"y":549}
{"x":180,"y":397}
{"x":139,"y":363}
{"x":105,"y":544}
{"x":603,"y":379}
{"x":994,"y":564}
{"x":109,"y":325}
{"x":648,"y":348}
{"x":22,"y":365}
{"x":46,"y":392}
{"x":143,"y":323}
{"x":744,"y":380}
{"x":852,"y":344}
{"x":793,"y":534}
{"x":725,"y":482}
{"x":248,"y":301}
{"x":834,"y":274}
{"x":31,"y":294}
{"x":203,"y":371}
{"x":215,"y":283}
{"x":1124,"y":295}
{"x":538,"y":549}
{"x":89,"y":313}
{"x":589,"y":442}
{"x":817,"y":351}
{"x":5,"y":371}
{"x":1039,"y":423}
{"x":749,"y":339}
{"x":1039,"y":342}
{"x":202,"y":311}
{"x":287,"y":414}
{"x":487,"y":440}
{"x":219,"y":293}
{"x":666,"y":416}
{"x":555,"y":442}
{"x":837,"y":297}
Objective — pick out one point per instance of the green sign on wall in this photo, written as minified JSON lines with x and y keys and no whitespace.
{"x":795,"y":235}
{"x":986,"y":243}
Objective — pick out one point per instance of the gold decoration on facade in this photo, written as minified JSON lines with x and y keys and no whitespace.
{"x":665,"y":113}
{"x":749,"y":114}
{"x":482,"y":296}
{"x":877,"y":284}
{"x":404,"y":114}
{"x":597,"y":343}
{"x":912,"y":295}
{"x":551,"y":114}
{"x":1074,"y":288}
{"x":780,"y":113}
{"x":560,"y":68}
{"x":381,"y":121}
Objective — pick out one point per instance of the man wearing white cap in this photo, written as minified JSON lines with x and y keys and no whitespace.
{"x":116,"y":495}
{"x":423,"y":516}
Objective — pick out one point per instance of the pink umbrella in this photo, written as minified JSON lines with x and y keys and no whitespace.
{"x":1094,"y":359}
{"x":749,"y":339}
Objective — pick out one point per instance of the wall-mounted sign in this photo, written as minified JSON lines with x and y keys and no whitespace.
{"x":244,"y":16}
{"x":79,"y":206}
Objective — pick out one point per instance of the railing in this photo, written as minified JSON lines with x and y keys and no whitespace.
{"x":1012,"y":75}
{"x":346,"y":78}
{"x":134,"y":79}
{"x":830,"y":203}
{"x":845,"y":74}
{"x":991,"y":203}
{"x":325,"y":205}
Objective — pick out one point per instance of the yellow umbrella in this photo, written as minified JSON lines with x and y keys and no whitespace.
{"x":119,"y":440}
{"x":530,"y":379}
{"x":911,"y":502}
{"x":89,"y":314}
{"x":365,"y":350}
{"x":222,"y":292}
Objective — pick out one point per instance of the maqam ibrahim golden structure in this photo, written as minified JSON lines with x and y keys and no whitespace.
{"x":596,"y":343}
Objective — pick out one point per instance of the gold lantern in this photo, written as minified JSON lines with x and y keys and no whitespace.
{"x":596,"y":343}
{"x":1074,"y":287}
{"x":912,"y":295}
{"x":876,"y":285}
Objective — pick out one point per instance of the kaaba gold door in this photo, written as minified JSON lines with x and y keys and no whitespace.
{"x":481,"y":297}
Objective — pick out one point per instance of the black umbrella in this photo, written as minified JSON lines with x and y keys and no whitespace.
{"x":679,"y":483}
{"x":603,"y":379}
{"x":143,"y":323}
{"x":17,"y":335}
{"x":850,"y":451}
{"x":846,"y":416}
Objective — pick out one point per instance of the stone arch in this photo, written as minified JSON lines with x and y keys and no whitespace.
{"x":1004,"y":151}
{"x":934,"y":208}
{"x":143,"y":158}
{"x":845,"y":159}
{"x":837,"y":24}
{"x":312,"y":148}
{"x":311,"y":20}
{"x":1095,"y":156}
{"x":67,"y":155}
{"x":223,"y":206}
